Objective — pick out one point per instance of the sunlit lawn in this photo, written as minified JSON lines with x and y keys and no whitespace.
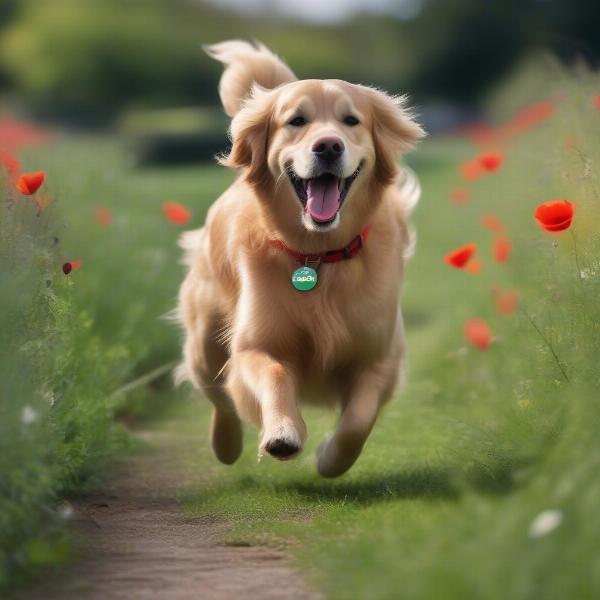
{"x":475,"y":446}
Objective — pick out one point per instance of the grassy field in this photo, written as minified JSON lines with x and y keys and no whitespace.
{"x":478,"y":444}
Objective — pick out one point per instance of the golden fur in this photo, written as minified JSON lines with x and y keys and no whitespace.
{"x":254,"y":345}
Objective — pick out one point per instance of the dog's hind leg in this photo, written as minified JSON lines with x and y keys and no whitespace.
{"x":359,"y":412}
{"x":205,"y":359}
{"x":225,"y":428}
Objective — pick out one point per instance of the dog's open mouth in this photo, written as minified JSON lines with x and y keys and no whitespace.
{"x":323,"y":196}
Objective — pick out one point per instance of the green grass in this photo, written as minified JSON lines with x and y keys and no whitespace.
{"x":474,"y":447}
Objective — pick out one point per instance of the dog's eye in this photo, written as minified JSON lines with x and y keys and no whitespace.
{"x":297,"y":122}
{"x":351,"y":121}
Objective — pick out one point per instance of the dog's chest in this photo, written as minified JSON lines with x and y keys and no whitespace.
{"x":344,"y":319}
{"x":336,"y":332}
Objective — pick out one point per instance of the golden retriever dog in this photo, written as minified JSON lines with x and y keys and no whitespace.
{"x":320,"y":196}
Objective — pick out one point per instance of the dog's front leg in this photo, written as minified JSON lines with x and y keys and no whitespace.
{"x":340,"y":451}
{"x":264,"y":392}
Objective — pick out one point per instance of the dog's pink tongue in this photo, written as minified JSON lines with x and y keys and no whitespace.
{"x":323,"y":198}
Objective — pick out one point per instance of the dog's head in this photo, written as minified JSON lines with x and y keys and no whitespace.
{"x":319,"y":152}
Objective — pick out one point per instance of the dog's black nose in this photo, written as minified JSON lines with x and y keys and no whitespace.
{"x":328,"y":148}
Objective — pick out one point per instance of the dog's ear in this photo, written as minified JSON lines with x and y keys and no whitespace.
{"x":395,"y":132}
{"x":249,"y":133}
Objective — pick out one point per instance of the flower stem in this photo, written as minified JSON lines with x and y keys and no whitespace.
{"x":575,"y":254}
{"x":548,"y":344}
{"x":144,"y":379}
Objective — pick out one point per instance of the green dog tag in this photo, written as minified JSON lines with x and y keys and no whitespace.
{"x":304,"y":279}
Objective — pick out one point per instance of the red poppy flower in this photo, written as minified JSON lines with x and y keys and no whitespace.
{"x":10,"y":163}
{"x":555,"y":215}
{"x":16,"y":134}
{"x":460,"y":195}
{"x":506,"y":302}
{"x":502,"y":248}
{"x":538,"y":111}
{"x":478,"y":333}
{"x":481,"y":134}
{"x":474,"y":266}
{"x":471,"y":170}
{"x":597,"y":101}
{"x":70,"y":266}
{"x":30,"y":183}
{"x":492,"y":223}
{"x":491,"y":161}
{"x":460,"y":257}
{"x":103,"y":216}
{"x":176,"y":213}
{"x":529,"y":117}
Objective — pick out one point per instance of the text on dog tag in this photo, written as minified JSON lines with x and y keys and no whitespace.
{"x":304,"y":279}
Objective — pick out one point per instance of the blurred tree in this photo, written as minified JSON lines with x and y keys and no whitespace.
{"x":88,"y":59}
{"x":91,"y":59}
{"x":572,"y":28}
{"x":465,"y":45}
{"x":8,"y":9}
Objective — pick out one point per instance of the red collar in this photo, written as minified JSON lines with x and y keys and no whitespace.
{"x":331,"y":256}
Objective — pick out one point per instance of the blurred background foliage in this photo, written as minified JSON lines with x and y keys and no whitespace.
{"x":86,"y":61}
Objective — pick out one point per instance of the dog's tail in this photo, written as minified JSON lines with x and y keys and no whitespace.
{"x":410,"y":193}
{"x":410,"y":189}
{"x":246,"y":64}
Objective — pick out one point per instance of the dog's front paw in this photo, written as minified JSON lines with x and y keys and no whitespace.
{"x":282,"y":448}
{"x":283,"y":443}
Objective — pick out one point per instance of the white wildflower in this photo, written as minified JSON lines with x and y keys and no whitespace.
{"x":65,"y":510}
{"x":49,"y":397}
{"x":546,"y":522}
{"x":29,"y":415}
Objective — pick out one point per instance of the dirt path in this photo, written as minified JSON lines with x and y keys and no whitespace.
{"x":136,"y":543}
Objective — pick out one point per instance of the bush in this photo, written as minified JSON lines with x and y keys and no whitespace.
{"x":55,"y":418}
